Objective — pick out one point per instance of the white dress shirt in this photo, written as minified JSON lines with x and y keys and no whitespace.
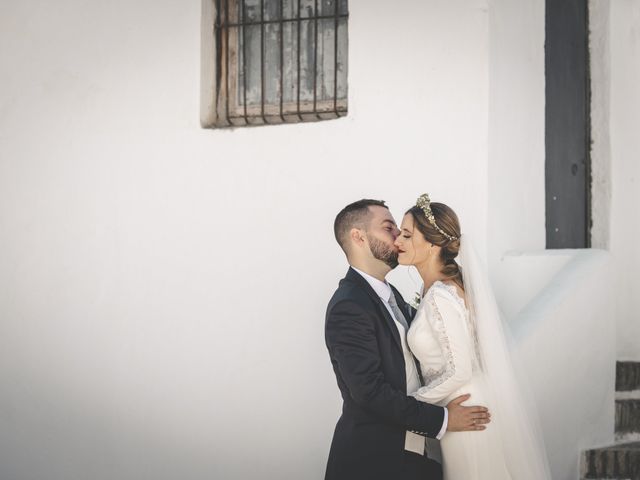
{"x":413,"y":442}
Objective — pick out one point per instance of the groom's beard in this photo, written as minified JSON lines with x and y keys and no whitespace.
{"x":383,"y":253}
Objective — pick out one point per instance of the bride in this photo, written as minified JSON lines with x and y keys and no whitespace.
{"x":458,"y":338}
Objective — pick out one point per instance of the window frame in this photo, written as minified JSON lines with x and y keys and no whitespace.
{"x":220,"y":54}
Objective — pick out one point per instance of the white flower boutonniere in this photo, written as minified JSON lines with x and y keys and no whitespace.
{"x":415,"y":301}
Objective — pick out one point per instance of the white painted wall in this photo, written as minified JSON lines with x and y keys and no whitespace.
{"x":516,"y":201}
{"x":521,"y":276}
{"x":600,"y":65}
{"x":625,"y":145}
{"x":162,"y":287}
{"x":568,"y":349}
{"x":554,"y":302}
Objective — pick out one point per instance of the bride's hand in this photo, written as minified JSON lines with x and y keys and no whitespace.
{"x":466,"y":418}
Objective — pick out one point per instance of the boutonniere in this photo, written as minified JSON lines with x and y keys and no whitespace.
{"x":415,"y":301}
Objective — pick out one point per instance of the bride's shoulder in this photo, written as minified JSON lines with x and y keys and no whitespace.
{"x":447,"y":291}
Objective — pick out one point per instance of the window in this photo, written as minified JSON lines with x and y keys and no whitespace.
{"x":278,"y":61}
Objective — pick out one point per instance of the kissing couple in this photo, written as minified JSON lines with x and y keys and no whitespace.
{"x":441,"y":371}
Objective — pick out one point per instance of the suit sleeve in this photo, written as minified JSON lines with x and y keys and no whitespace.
{"x":448,"y":321}
{"x":351,"y":340}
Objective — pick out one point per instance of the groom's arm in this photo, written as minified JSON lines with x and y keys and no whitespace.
{"x":352,"y":342}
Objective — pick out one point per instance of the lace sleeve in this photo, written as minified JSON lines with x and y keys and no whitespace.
{"x":448,"y":321}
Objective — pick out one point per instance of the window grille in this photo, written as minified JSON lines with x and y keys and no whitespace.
{"x":280,"y":61}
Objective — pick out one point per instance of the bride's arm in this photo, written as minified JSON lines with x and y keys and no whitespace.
{"x":448,"y":321}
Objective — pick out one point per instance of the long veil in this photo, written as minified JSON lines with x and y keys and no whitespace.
{"x":512,"y":413}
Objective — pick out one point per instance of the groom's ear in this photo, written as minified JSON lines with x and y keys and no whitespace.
{"x":357,"y":237}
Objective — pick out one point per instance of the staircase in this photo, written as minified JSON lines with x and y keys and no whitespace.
{"x":622,"y":460}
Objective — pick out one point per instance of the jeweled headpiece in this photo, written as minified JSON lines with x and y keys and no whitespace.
{"x":424,"y":203}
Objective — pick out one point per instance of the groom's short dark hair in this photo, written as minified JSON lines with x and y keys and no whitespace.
{"x":354,"y":215}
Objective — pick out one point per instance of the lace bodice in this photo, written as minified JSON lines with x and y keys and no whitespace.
{"x":440,"y":338}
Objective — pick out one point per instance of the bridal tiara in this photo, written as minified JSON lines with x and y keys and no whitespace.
{"x":424,"y":203}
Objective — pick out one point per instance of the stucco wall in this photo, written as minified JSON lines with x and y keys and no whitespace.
{"x":516,"y":205}
{"x":600,"y":69}
{"x":569,"y":351}
{"x":162,"y":287}
{"x":625,"y":167}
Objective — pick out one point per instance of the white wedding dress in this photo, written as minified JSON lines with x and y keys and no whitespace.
{"x":463,"y":347}
{"x":440,"y":338}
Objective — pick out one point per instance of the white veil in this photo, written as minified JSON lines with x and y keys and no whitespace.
{"x":512,"y":410}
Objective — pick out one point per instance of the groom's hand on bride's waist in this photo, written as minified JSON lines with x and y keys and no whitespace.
{"x":466,"y":418}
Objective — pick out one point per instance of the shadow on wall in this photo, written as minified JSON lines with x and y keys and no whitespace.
{"x":56,"y":437}
{"x":560,"y":306}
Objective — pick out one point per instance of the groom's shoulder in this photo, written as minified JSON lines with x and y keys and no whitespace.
{"x":350,"y":292}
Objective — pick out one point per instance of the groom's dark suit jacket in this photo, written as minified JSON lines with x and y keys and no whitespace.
{"x":367,"y":358}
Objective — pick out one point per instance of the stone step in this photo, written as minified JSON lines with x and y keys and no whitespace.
{"x":627,"y":376}
{"x":627,"y":419}
{"x":619,"y":462}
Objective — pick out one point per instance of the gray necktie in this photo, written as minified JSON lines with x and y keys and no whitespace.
{"x":397,"y":312}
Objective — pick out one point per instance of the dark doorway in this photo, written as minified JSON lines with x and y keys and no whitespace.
{"x":567,"y":126}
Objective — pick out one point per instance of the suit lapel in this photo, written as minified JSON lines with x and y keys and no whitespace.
{"x":357,"y":278}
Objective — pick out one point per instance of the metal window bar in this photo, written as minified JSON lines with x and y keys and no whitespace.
{"x":226,"y":74}
{"x":262,"y":62}
{"x":336,"y":19}
{"x":281,"y":38}
{"x":299,"y":24}
{"x":315,"y":57}
{"x":232,"y":34}
{"x":244,"y":61}
{"x":285,"y":20}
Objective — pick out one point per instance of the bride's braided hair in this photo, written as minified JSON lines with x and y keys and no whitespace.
{"x":447,"y":220}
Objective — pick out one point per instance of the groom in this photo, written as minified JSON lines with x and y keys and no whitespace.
{"x":381,"y":433}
